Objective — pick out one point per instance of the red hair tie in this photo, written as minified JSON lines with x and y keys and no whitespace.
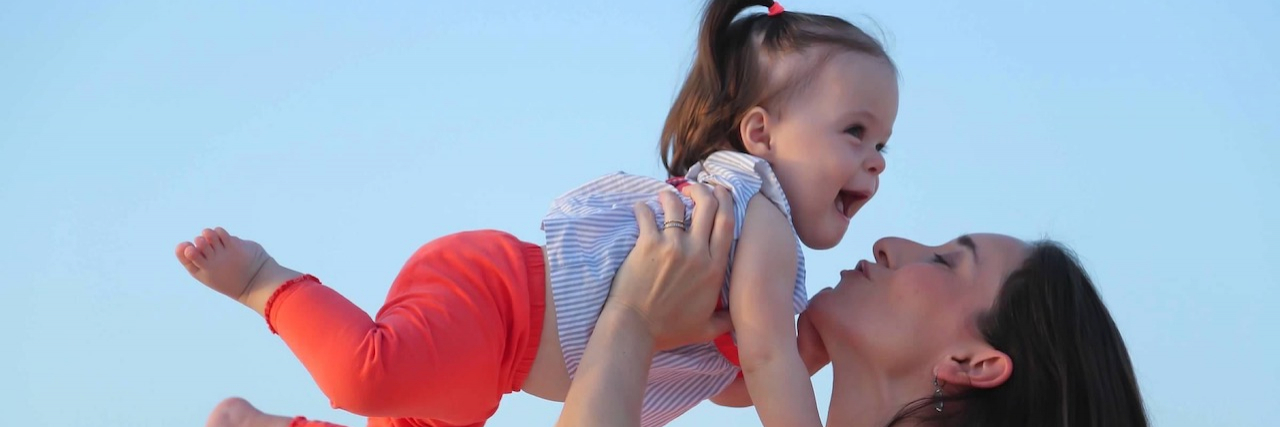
{"x":775,"y":9}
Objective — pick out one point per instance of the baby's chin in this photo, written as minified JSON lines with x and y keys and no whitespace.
{"x":823,"y":240}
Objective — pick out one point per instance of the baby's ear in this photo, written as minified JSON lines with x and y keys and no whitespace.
{"x":754,"y":130}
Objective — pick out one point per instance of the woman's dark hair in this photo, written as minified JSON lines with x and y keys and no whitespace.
{"x":1070,"y":365}
{"x":729,"y":74}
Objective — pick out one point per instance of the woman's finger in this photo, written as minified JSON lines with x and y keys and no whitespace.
{"x":722,"y":233}
{"x":719,"y":324}
{"x":645,"y":220}
{"x":672,"y":212}
{"x":704,"y":208}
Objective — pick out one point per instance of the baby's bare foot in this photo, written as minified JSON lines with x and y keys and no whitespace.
{"x":236,"y":412}
{"x":222,"y":262}
{"x":237,"y":268}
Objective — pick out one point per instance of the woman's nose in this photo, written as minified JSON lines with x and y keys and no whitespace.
{"x":891,"y":251}
{"x":881,"y":250}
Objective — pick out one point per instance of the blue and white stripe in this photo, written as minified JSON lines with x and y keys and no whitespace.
{"x":591,"y":229}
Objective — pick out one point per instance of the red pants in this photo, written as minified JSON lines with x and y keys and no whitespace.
{"x":459,"y":329}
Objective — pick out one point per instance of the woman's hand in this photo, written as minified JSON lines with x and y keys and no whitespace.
{"x":672,"y":278}
{"x":663,"y":296}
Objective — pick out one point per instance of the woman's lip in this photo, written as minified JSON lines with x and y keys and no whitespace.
{"x":862,"y":268}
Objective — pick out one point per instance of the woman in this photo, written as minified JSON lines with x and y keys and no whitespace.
{"x":985,"y":330}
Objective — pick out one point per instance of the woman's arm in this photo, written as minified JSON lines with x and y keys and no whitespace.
{"x":663,"y":296}
{"x":609,"y":385}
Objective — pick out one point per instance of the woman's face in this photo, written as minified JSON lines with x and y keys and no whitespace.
{"x":916,"y":305}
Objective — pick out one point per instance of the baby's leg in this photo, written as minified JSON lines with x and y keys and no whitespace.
{"x":234,"y":267}
{"x":460,"y":327}
{"x":236,"y":412}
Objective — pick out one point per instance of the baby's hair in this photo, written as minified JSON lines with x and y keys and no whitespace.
{"x":730,"y":75}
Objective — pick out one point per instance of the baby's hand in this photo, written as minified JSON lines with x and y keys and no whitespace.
{"x":812,"y":350}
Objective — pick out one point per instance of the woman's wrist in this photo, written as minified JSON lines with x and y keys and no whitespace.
{"x":609,"y":386}
{"x":624,"y":320}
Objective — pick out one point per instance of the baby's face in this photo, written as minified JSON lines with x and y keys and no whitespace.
{"x":827,"y":141}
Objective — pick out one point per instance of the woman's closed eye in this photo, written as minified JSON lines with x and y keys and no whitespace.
{"x":940,"y":260}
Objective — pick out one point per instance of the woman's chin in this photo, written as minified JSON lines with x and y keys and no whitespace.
{"x":821,"y":299}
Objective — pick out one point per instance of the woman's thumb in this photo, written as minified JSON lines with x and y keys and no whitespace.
{"x":718,"y":325}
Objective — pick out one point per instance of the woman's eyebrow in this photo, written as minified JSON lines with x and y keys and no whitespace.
{"x":967,"y":242}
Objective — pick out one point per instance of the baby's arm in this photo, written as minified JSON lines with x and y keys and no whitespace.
{"x":811,"y":352}
{"x":761,"y":287}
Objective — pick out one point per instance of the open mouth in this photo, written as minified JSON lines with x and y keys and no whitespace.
{"x":847,"y":202}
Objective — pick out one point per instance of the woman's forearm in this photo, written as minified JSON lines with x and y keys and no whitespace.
{"x":609,"y":386}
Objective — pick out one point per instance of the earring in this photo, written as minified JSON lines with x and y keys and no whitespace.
{"x":937,"y":394}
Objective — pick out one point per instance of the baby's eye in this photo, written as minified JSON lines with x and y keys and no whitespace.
{"x":883,"y":148}
{"x":857,"y":131}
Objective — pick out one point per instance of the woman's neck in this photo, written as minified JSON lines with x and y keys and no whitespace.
{"x":862,"y":396}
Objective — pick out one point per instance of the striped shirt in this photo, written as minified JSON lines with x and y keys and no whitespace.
{"x":591,"y":229}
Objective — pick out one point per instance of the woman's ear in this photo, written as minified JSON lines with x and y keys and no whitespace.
{"x":985,"y":367}
{"x":754,"y":130}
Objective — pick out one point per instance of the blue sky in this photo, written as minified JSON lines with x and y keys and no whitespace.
{"x":342,"y":136}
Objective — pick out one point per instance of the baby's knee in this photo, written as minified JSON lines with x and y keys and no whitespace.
{"x":477,"y":242}
{"x":387,"y":398}
{"x":360,"y":394}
